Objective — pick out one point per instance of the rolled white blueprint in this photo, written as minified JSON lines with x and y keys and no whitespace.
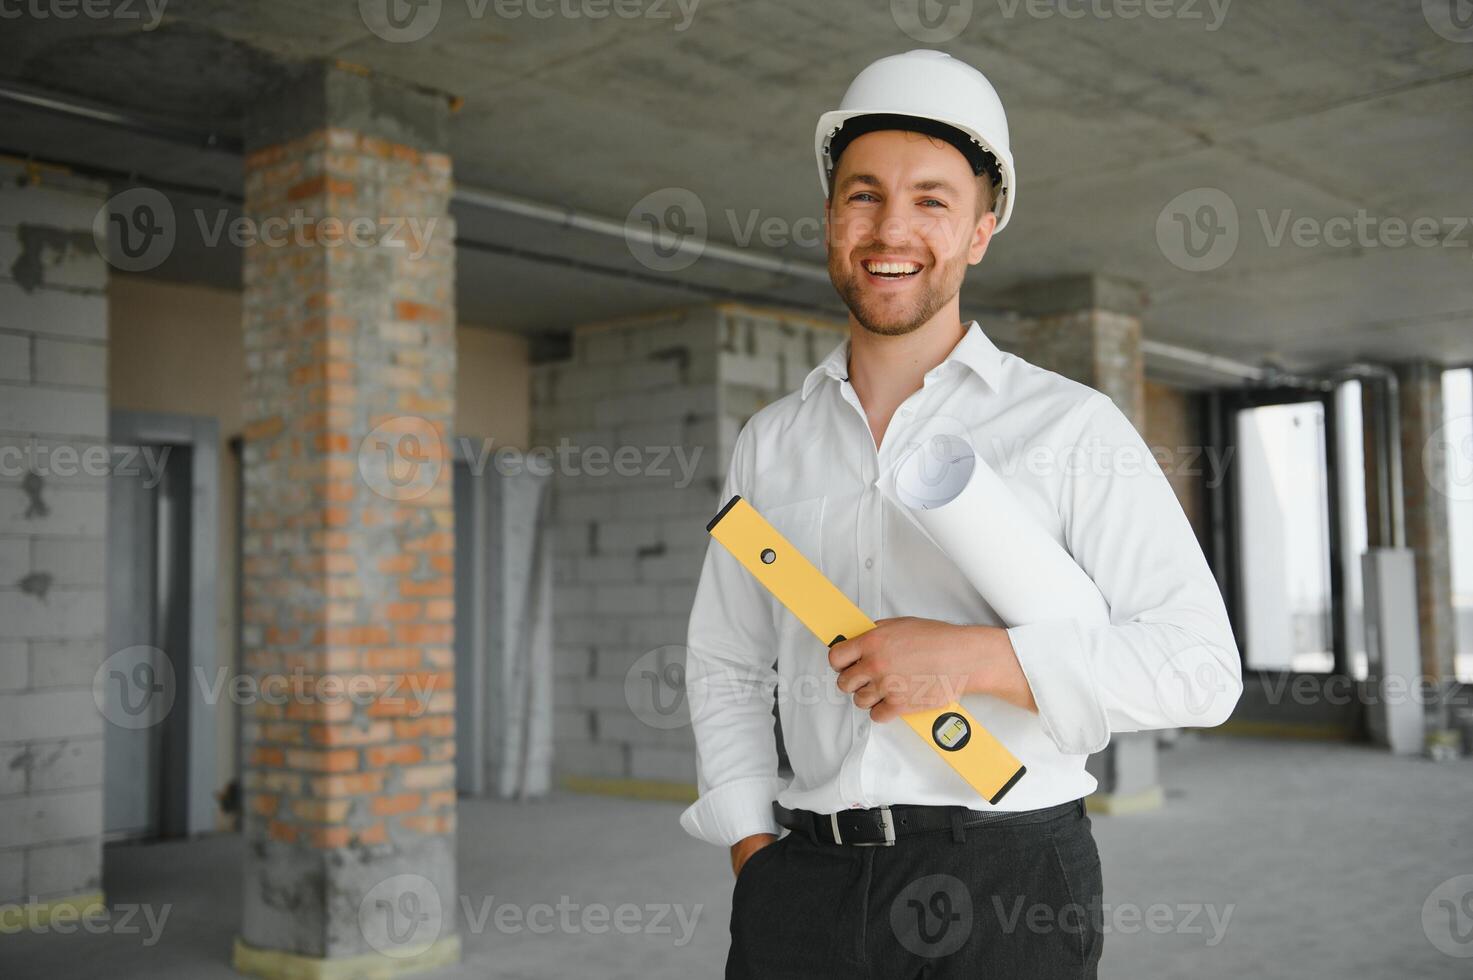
{"x":967,"y":511}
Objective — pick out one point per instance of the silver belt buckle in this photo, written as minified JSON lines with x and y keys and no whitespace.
{"x":887,"y":822}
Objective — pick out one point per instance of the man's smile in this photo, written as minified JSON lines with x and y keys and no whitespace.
{"x":889,"y":270}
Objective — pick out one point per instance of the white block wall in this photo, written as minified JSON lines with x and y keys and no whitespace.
{"x":53,"y":394}
{"x":629,"y":548}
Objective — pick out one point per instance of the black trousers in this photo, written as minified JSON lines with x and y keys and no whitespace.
{"x":1019,"y":898}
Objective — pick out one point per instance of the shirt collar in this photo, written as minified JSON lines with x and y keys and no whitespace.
{"x":975,"y":350}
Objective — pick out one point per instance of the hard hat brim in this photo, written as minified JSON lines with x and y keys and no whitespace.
{"x":831,"y":121}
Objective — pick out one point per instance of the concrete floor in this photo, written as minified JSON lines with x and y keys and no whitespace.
{"x":1323,"y":856}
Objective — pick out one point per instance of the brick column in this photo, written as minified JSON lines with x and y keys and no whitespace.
{"x":1088,"y":328}
{"x":347,"y":554}
{"x":1424,"y":481}
{"x":1429,"y":535}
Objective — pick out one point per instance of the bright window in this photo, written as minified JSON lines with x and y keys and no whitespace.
{"x":1457,"y":407}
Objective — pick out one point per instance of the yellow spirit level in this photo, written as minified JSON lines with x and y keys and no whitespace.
{"x":782,"y":569}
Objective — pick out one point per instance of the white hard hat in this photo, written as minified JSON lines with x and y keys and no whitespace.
{"x":929,"y":85}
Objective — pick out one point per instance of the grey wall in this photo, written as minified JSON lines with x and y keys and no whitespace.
{"x":53,"y":505}
{"x":629,"y":547}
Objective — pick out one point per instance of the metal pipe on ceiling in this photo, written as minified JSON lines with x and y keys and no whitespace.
{"x":127,"y":119}
{"x":573,"y":218}
{"x":1200,"y":362}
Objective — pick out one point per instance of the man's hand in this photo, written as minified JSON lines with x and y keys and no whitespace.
{"x":908,"y":664}
{"x":746,"y":847}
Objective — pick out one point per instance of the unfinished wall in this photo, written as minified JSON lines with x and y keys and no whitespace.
{"x":53,"y":539}
{"x":629,"y":547}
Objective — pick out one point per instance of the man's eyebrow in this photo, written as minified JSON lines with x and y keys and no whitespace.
{"x":934,"y":185}
{"x":870,"y":180}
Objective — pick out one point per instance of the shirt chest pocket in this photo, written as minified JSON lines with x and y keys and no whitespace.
{"x":801,"y":523}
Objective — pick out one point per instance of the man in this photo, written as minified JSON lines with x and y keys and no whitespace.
{"x":918,"y":177}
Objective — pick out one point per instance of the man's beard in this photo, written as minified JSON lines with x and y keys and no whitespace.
{"x":891,"y":319}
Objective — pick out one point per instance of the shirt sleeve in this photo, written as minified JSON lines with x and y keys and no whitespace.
{"x":730,"y":682}
{"x":1168,"y":658}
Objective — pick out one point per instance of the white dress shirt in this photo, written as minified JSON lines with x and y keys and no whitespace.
{"x":809,"y":464}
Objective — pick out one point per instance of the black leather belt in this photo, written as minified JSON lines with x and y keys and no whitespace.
{"x":881,"y":826}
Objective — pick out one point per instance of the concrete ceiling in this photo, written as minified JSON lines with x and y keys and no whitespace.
{"x":1283,"y":112}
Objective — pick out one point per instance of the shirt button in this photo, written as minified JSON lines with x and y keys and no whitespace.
{"x":869,"y":563}
{"x":905,"y":412}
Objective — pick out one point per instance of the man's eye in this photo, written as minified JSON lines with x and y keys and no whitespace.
{"x":863,"y":196}
{"x":932,"y":201}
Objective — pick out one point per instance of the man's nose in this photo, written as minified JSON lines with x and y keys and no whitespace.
{"x":892,"y":228}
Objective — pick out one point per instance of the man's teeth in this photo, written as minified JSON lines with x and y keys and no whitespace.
{"x":892,"y":268}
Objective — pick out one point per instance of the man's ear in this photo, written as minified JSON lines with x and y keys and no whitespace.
{"x":981,"y":236}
